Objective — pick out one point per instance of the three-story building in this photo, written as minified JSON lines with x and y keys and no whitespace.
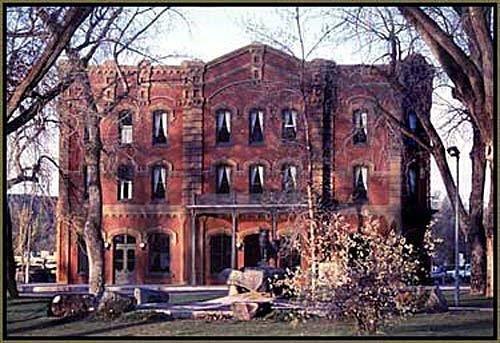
{"x":198,"y":159}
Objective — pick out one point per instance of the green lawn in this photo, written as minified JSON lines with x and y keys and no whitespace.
{"x":27,"y":317}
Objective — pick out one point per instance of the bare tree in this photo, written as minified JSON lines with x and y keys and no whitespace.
{"x":37,"y":36}
{"x":93,"y":108}
{"x":469,"y":65}
{"x":453,"y":42}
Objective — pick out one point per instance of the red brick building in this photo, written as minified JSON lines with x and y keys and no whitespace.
{"x":200,"y":158}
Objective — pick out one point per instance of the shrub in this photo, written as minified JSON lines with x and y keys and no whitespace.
{"x":360,"y":273}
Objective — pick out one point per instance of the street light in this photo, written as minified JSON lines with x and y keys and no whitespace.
{"x":454,"y":152}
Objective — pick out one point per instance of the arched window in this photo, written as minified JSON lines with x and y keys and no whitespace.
{"x":125,"y":127}
{"x":223,"y":126}
{"x":289,"y":125}
{"x":220,"y":253}
{"x":360,"y":122}
{"x":289,"y":178}
{"x":256,"y":178}
{"x":125,"y":182}
{"x":256,"y":126}
{"x":160,"y":127}
{"x":360,"y":182}
{"x":82,"y":259}
{"x":223,"y":179}
{"x":159,"y":253}
{"x":158,"y":182}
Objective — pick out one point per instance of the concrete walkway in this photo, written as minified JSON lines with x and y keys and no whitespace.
{"x":49,"y":289}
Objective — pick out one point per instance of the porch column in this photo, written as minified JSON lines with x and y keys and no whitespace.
{"x":193,"y":247}
{"x":233,"y":239}
{"x":273,"y":224}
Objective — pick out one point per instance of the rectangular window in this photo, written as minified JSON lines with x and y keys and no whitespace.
{"x":125,"y":182}
{"x":125,"y":127}
{"x":289,"y":127}
{"x":289,"y":178}
{"x":159,"y":178}
{"x":360,"y":183}
{"x":256,"y":126}
{"x":83,"y":260}
{"x":256,"y":179}
{"x":223,"y":126}
{"x":223,"y":181}
{"x":160,"y":127}
{"x":360,"y":121}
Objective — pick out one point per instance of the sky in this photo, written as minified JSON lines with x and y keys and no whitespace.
{"x":209,"y":32}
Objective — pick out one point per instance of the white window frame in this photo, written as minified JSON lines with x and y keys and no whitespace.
{"x":160,"y":117}
{"x":364,"y":177}
{"x":126,"y":134}
{"x":221,"y":170}
{"x":361,"y":122}
{"x":223,"y":116}
{"x":257,"y":171}
{"x":126,"y":130}
{"x":124,"y":196}
{"x":254,"y":116}
{"x":290,"y":171}
{"x":159,"y":177}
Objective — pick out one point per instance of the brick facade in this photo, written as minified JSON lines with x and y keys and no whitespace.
{"x":205,"y":230}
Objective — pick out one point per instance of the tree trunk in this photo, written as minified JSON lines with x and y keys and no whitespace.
{"x":11,"y":262}
{"x":92,"y":231}
{"x":477,"y":233}
{"x":489,"y":226}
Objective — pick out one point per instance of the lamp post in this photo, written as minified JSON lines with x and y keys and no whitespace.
{"x":454,"y":152}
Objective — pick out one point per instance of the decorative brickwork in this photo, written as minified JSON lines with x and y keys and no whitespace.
{"x":211,"y":215}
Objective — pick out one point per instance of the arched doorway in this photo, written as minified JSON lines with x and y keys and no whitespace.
{"x":124,"y":259}
{"x":252,"y":250}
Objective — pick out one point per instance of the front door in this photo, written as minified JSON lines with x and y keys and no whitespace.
{"x":124,"y":259}
{"x":252,"y":250}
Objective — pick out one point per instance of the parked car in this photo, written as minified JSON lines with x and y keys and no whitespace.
{"x":463,"y":272}
{"x":438,"y":275}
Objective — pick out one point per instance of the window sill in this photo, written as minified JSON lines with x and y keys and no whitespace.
{"x":257,"y":143}
{"x":125,"y":201}
{"x":125,"y":145}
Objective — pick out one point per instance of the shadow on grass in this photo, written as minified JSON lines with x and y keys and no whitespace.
{"x":26,"y":301}
{"x":114,"y":328}
{"x":15,"y":321}
{"x":41,"y":326}
{"x":444,"y":329}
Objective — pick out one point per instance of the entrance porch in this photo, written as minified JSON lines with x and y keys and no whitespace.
{"x":229,"y":231}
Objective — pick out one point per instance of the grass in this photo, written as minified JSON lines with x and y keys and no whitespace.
{"x":468,"y":300}
{"x":27,"y":317}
